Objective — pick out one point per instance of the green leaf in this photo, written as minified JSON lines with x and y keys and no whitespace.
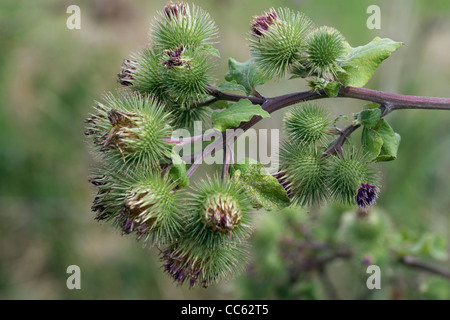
{"x":371,"y":142}
{"x":221,"y":104}
{"x":364,"y":60}
{"x":431,"y":245}
{"x":241,"y":111}
{"x":231,"y":85}
{"x":245,"y":74}
{"x":368,"y":118}
{"x":372,"y":105}
{"x":391,"y":141}
{"x":262,"y":188}
{"x":212,"y":51}
{"x":332,"y":89}
{"x":178,"y":170}
{"x":438,"y":247}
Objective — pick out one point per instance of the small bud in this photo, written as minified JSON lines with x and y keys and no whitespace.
{"x":367,"y":261}
{"x":188,"y":75}
{"x":367,"y":196}
{"x":325,"y":50}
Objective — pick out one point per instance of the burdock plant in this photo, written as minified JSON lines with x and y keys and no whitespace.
{"x":202,"y":231}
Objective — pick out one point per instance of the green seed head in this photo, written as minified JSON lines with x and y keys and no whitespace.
{"x":277,"y":40}
{"x":325,"y":51}
{"x":131,"y":128}
{"x":140,"y":201}
{"x":214,"y":245}
{"x":220,"y":212}
{"x":306,"y":173}
{"x":187,"y":80}
{"x":307,"y":124}
{"x":146,"y":74}
{"x":180,"y":25}
{"x":203,"y":264}
{"x":346,"y":174}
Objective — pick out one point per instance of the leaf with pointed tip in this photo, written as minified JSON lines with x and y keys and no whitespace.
{"x":368,"y":118}
{"x":364,"y":60}
{"x":246,"y":74}
{"x":212,"y":51}
{"x":371,"y":142}
{"x":262,"y":188}
{"x":232,"y":86}
{"x":332,"y":89}
{"x":238,"y":112}
{"x":391,"y":141}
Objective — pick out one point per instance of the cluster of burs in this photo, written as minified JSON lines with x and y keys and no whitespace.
{"x":202,"y":231}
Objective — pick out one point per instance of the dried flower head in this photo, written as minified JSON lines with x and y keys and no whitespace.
{"x":174,"y":59}
{"x":222,"y":214}
{"x":126,"y":73}
{"x":140,"y":200}
{"x":131,"y":128}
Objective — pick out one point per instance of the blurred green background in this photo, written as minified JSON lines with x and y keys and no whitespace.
{"x":50,"y":77}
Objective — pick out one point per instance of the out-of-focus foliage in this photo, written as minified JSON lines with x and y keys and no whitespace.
{"x":49,"y":77}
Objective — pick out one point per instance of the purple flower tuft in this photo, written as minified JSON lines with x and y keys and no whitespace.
{"x":174,"y":10}
{"x":262,"y":23}
{"x":174,"y":59}
{"x":367,"y":196}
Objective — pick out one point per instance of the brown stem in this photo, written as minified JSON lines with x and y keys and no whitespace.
{"x":389,"y":102}
{"x":417,"y":264}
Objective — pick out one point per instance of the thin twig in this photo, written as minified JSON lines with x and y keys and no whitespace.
{"x":339,"y":142}
{"x":328,"y":285}
{"x":412,"y":262}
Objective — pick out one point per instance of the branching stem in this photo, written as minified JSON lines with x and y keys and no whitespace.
{"x":389,"y":102}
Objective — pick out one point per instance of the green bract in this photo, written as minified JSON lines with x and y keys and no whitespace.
{"x":278,"y":39}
